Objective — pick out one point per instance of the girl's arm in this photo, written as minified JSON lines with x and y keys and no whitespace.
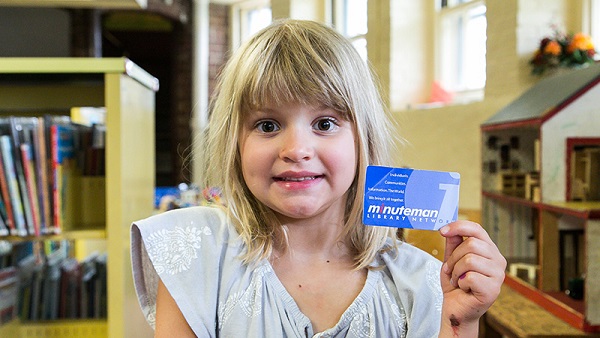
{"x":471,"y":277}
{"x":169,"y":319}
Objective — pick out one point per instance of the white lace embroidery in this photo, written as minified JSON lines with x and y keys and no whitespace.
{"x":398,"y":313}
{"x":249,"y":300}
{"x":433,"y":282}
{"x":151,"y":315}
{"x":172,"y":251}
{"x":361,"y":324}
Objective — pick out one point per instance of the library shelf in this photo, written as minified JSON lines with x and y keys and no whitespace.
{"x":54,"y":85}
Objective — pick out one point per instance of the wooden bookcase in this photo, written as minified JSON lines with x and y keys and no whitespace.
{"x":36,"y":86}
{"x":540,"y":199}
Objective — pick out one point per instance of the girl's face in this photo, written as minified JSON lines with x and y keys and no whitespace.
{"x":297,"y":159}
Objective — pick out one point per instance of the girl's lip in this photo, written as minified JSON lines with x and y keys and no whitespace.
{"x":291,"y":176}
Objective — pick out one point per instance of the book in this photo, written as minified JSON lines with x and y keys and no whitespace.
{"x":26,"y":268}
{"x":4,"y":230}
{"x":88,"y":116}
{"x":21,"y":131}
{"x":42,"y":171}
{"x":30,"y":173}
{"x":50,"y":300}
{"x":37,"y":280}
{"x":100,"y":301}
{"x":14,"y":194}
{"x":63,"y":154}
{"x":70,"y":282}
{"x":49,"y":121}
{"x":98,"y":150}
{"x":9,"y":294}
{"x":88,"y":286}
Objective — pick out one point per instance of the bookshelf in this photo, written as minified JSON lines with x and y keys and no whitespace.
{"x":35,"y":86}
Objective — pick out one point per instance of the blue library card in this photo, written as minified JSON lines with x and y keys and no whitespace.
{"x":410,"y":198}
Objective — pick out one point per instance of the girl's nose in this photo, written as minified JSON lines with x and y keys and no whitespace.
{"x":296,"y":146}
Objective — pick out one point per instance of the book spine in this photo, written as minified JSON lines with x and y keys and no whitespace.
{"x":56,"y":180}
{"x":16,"y":129}
{"x":42,"y":170}
{"x":31,"y":181}
{"x":10,"y":219}
{"x":13,"y":185}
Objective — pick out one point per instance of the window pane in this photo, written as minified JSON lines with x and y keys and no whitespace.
{"x":595,"y":23}
{"x":355,"y":12}
{"x":361,"y":46}
{"x":258,"y":19}
{"x":473,"y":63}
{"x":462,"y":38}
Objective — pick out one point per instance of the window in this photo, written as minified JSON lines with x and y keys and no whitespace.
{"x":248,"y":17}
{"x":592,"y":22}
{"x":350,"y":19}
{"x":460,"y":59}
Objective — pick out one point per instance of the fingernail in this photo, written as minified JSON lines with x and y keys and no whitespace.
{"x":462,"y":276}
{"x":444,"y":230}
{"x":451,"y":282}
{"x":445,"y":268}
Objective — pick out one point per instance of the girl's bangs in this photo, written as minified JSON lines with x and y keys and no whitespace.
{"x":290,"y":72}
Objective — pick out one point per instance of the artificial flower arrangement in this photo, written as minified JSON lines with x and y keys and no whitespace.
{"x":563,"y":50}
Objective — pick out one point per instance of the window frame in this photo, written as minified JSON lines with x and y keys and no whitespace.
{"x":239,"y":18}
{"x":339,"y":19}
{"x":591,"y":21}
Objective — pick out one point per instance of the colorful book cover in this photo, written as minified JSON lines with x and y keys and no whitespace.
{"x":29,"y":170}
{"x":9,"y":294}
{"x":6,"y":147}
{"x":8,"y":205}
{"x":4,"y":231}
{"x":88,"y":116}
{"x":41,"y":161}
{"x":63,"y":154}
{"x":21,"y":132}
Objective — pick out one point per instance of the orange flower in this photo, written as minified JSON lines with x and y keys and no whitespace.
{"x":552,"y":48}
{"x":580,"y":41}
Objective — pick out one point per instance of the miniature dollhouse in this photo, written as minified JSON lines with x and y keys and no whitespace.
{"x":541,"y":193}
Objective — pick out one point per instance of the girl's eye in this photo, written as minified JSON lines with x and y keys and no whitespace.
{"x":326,"y":124}
{"x":267,"y":126}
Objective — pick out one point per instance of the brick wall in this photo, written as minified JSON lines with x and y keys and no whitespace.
{"x":218,"y":41}
{"x":181,"y":99}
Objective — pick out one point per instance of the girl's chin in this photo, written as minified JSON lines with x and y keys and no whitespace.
{"x":296,"y":211}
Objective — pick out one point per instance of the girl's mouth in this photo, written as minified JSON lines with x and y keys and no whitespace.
{"x":296,"y":179}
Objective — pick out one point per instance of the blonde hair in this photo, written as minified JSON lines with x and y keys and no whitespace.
{"x":306,"y":62}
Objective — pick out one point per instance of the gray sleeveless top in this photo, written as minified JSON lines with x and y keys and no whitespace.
{"x":195,"y":252}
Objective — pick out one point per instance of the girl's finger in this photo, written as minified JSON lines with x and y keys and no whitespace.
{"x":465,"y":229}
{"x":485,"y":289}
{"x":473,"y":263}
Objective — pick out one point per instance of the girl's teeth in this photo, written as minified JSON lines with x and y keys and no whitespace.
{"x":298,"y":179}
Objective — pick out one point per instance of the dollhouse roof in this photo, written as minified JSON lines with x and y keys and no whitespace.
{"x":547,"y":97}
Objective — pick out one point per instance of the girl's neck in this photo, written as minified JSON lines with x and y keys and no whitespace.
{"x":313,"y":241}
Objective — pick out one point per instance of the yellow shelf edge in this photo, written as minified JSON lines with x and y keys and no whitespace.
{"x":69,"y":235}
{"x":74,"y":65}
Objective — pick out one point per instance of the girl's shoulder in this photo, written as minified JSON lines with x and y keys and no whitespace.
{"x":188,"y":235}
{"x":200,"y":220}
{"x":189,"y":250}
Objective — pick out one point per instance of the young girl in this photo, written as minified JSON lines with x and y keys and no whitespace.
{"x":296,"y":121}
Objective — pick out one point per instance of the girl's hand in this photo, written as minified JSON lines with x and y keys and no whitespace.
{"x":471,"y":276}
